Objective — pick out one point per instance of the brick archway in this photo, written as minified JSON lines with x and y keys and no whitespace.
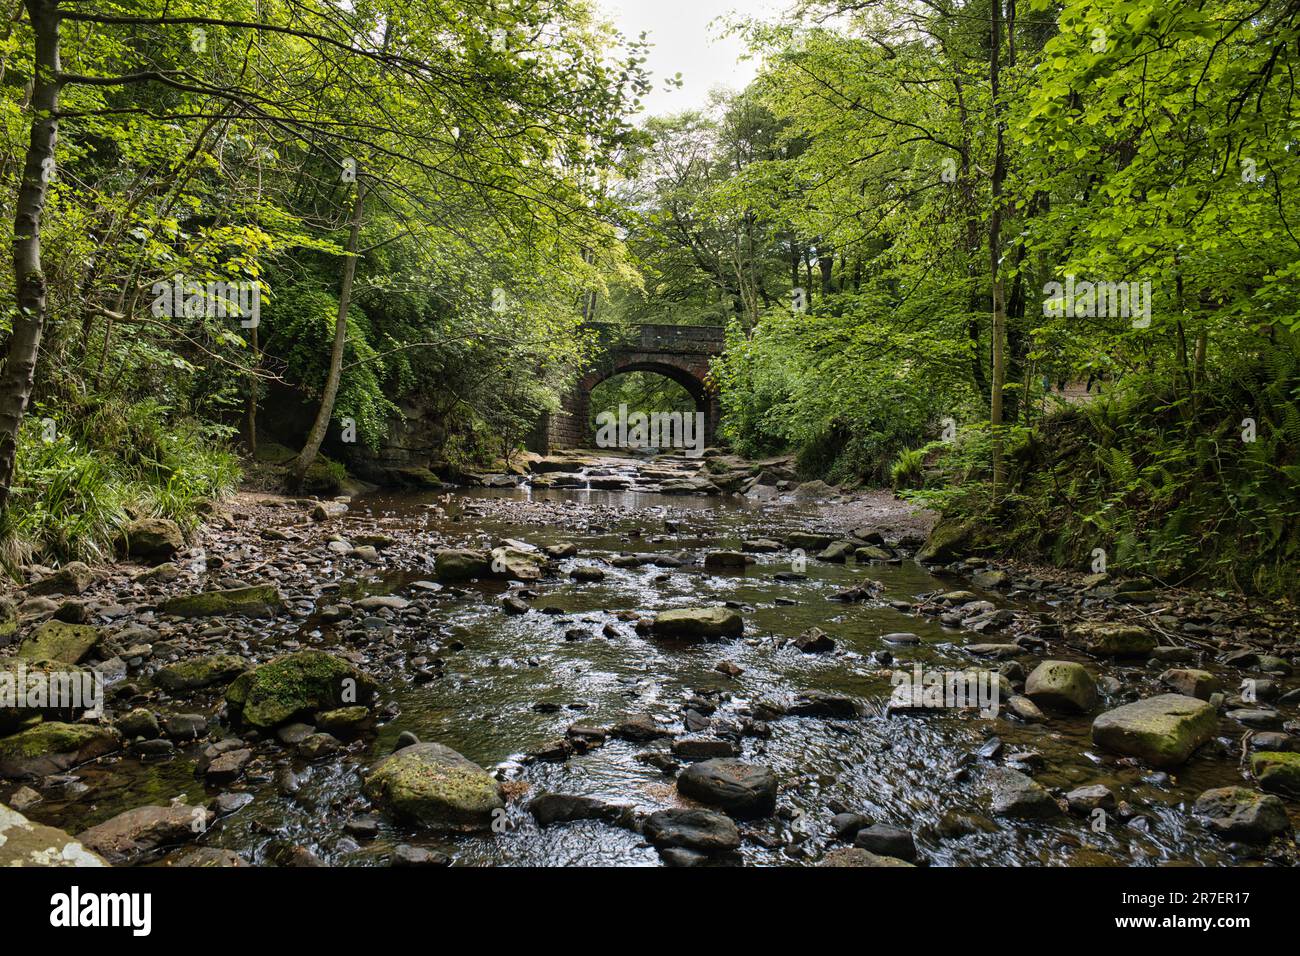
{"x":678,"y":352}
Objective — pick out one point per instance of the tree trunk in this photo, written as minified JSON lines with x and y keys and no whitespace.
{"x":251,"y":406}
{"x":995,"y":259}
{"x":24,"y":343}
{"x":298,"y":471}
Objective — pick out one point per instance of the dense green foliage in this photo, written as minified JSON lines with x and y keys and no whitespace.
{"x":840,"y":213}
{"x":227,"y":142}
{"x":1033,"y":261}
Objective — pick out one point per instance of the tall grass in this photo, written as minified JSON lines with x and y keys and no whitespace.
{"x":84,"y":471}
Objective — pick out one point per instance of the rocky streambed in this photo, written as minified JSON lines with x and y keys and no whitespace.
{"x":620,"y":662}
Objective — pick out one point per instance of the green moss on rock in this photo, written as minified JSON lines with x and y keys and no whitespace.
{"x":52,"y":747}
{"x":57,"y":641}
{"x":1277,"y":772}
{"x":1162,"y":731}
{"x":699,"y":623}
{"x":200,"y":672}
{"x":435,"y":786}
{"x":295,"y":686}
{"x":261,"y":600}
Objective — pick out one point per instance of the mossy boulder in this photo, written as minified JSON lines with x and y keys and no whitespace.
{"x":53,"y":747}
{"x":1277,"y":772}
{"x":25,"y":843}
{"x":261,"y":600}
{"x":1236,"y":813}
{"x":152,"y":539}
{"x":295,"y":686}
{"x":1161,"y":731}
{"x":699,"y":623}
{"x":73,"y":578}
{"x":1113,"y":640}
{"x":324,"y":477}
{"x":57,"y":641}
{"x":35,"y":689}
{"x":949,"y":540}
{"x":435,"y":786}
{"x":461,"y":564}
{"x":1062,"y":685}
{"x":200,"y":672}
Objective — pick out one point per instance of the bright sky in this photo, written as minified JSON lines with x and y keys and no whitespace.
{"x":686,"y":40}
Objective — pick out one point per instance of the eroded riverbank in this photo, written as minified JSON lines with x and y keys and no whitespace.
{"x":558,"y":684}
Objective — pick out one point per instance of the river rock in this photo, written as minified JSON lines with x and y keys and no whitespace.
{"x":1236,"y":813}
{"x":200,"y":672}
{"x":52,"y":747}
{"x":990,"y":580}
{"x":294,"y":686}
{"x":698,"y":623}
{"x":461,"y":564}
{"x":702,"y":748}
{"x":548,"y":808}
{"x":742,"y":789}
{"x":587,"y":573}
{"x":695,"y":485}
{"x":73,"y":578}
{"x":808,"y":541}
{"x":202,"y":856}
{"x":517,"y":564}
{"x":344,"y":720}
{"x":435,"y":786}
{"x":856,"y":856}
{"x":25,"y":843}
{"x":21,"y":678}
{"x":702,"y":830}
{"x":130,"y":836}
{"x":57,"y":641}
{"x":817,"y":703}
{"x":261,"y":600}
{"x":1019,"y":796}
{"x":948,"y":541}
{"x":227,"y":767}
{"x":1191,"y":683}
{"x":639,"y":730}
{"x":1084,"y":800}
{"x":1062,"y":685}
{"x":138,"y":723}
{"x":814,"y":641}
{"x":1113,"y":640}
{"x":1162,"y":731}
{"x":885,"y":840}
{"x":154,"y":540}
{"x":727,"y":561}
{"x":837,"y":552}
{"x":1277,"y":772}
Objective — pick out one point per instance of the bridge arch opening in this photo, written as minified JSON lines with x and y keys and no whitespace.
{"x":675,"y":402}
{"x":680,"y":353}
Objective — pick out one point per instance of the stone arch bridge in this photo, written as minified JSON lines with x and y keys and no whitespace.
{"x":678,"y":352}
